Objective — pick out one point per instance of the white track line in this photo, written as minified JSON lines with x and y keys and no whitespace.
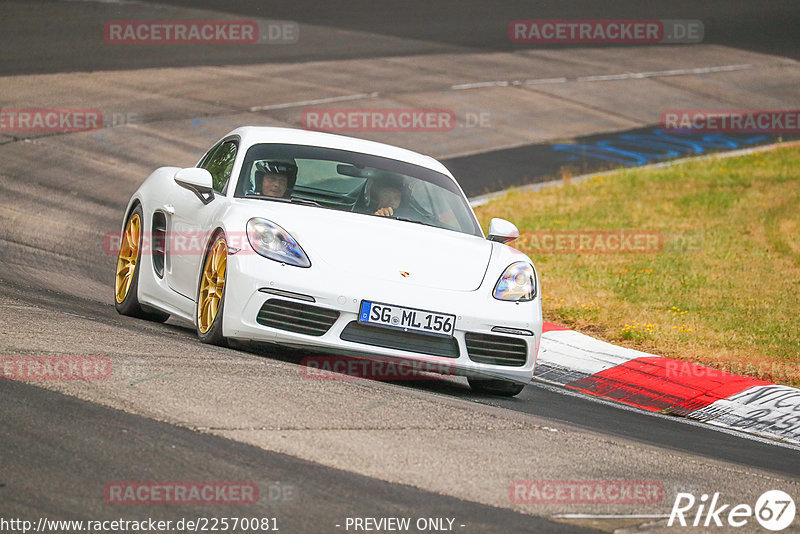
{"x":606,"y":77}
{"x":329,"y":100}
{"x":611,"y":516}
{"x":543,"y":81}
{"x":480,"y":84}
{"x":661,"y":73}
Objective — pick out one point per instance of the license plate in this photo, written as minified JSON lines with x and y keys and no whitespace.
{"x":407,"y":319}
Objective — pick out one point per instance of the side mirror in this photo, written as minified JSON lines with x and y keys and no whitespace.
{"x":502,"y":231}
{"x":198,"y":181}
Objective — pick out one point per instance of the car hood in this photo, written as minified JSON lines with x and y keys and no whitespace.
{"x":385,"y":249}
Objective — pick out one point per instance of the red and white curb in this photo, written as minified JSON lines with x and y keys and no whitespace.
{"x":657,"y":384}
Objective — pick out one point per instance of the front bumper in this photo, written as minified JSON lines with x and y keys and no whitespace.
{"x":476,"y":312}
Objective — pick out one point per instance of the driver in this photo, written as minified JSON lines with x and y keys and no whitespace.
{"x":272,"y":184}
{"x":274,"y":179}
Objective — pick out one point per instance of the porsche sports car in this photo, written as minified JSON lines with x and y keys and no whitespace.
{"x":346,"y":246}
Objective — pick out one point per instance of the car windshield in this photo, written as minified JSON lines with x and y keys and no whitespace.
{"x":355,"y":182}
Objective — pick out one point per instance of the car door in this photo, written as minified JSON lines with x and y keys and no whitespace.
{"x":191,"y":220}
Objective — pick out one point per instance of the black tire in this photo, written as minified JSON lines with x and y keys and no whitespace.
{"x":214,"y":334}
{"x":130,"y":304}
{"x":503,"y":388}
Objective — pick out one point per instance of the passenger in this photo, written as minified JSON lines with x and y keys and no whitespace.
{"x":388,"y":196}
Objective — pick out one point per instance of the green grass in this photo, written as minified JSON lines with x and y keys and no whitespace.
{"x":723,"y":291}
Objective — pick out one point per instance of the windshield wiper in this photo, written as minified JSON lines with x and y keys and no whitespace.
{"x":266,"y":197}
{"x":305,"y":202}
{"x":405,"y":219}
{"x":302,"y":201}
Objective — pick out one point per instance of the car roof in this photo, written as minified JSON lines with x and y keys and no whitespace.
{"x":251,"y":135}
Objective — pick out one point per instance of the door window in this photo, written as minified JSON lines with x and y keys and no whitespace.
{"x":219,"y":162}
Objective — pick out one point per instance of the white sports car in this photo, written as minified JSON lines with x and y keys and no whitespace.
{"x":349,"y":246}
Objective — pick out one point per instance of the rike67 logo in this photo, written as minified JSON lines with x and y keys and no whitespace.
{"x":774,"y":510}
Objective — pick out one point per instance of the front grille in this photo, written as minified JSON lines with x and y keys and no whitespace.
{"x":296,"y":317}
{"x":496,"y":350}
{"x":396,"y":339}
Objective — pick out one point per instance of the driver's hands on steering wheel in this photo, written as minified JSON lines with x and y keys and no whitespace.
{"x":384,"y":212}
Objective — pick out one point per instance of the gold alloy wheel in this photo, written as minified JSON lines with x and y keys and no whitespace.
{"x":128,"y":256}
{"x":212,"y":285}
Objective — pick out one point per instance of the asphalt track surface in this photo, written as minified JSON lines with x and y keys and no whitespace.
{"x":769,"y":28}
{"x":76,"y":448}
{"x":37,"y":46}
{"x":177,"y":410}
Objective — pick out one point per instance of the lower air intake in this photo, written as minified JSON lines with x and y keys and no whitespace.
{"x":496,"y":350}
{"x":296,"y":317}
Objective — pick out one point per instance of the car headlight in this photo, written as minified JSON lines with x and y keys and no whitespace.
{"x":518,"y":283}
{"x":273,"y":242}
